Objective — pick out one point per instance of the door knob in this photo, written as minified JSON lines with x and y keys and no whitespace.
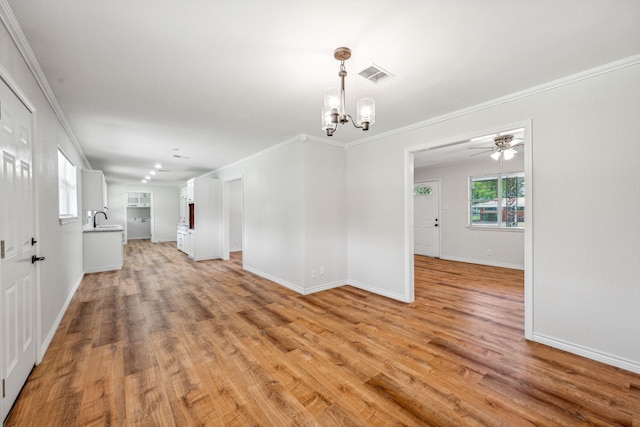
{"x":36,"y":258}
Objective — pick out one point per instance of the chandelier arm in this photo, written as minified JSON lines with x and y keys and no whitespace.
{"x":353,"y":122}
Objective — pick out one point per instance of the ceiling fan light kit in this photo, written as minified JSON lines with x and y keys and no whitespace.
{"x":333,"y":109}
{"x":504,"y":147}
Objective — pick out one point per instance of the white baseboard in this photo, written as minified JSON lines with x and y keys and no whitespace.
{"x":484,"y":262}
{"x":101,"y":269}
{"x":589,"y":353}
{"x":274,"y":279}
{"x":46,"y":341}
{"x":324,"y":287}
{"x":299,"y":289}
{"x":378,"y":291}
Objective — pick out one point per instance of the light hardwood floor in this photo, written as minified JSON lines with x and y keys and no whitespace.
{"x":171,"y":342}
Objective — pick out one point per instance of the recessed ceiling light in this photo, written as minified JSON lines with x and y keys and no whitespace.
{"x":152,"y":172}
{"x":158,"y":166}
{"x":144,"y":181}
{"x":147,"y":177}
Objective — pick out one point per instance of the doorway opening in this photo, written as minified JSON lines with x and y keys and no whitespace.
{"x":139,"y":216}
{"x":232,"y":218}
{"x":456,"y":164}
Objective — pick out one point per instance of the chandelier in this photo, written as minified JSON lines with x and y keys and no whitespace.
{"x":333,"y":110}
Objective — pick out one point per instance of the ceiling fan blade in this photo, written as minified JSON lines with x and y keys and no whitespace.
{"x":482,"y":152}
{"x":517,"y":141}
{"x":481,"y":148}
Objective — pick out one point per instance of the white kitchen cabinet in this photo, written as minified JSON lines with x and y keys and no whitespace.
{"x":94,"y":190}
{"x":204,"y":213}
{"x":181,"y":236}
{"x":102,"y":249}
{"x":138,"y":200}
{"x":191,"y":189}
{"x":189,"y":247}
{"x":184,"y":206}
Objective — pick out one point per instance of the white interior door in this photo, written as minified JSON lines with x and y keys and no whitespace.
{"x":17,"y":272}
{"x":426,"y":208}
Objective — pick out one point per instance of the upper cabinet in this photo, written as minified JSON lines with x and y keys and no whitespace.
{"x":184,"y":203}
{"x":94,"y":190}
{"x":191,"y":189}
{"x":138,"y":200}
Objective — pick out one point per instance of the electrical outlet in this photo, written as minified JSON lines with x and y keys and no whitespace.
{"x":489,"y":252}
{"x":313,"y":274}
{"x":322,"y":270}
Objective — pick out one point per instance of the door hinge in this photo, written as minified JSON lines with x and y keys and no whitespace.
{"x":1,"y":249}
{"x":3,"y":392}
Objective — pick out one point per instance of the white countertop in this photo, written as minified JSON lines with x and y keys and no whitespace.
{"x":102,"y":228}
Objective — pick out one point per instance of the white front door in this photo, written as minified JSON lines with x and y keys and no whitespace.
{"x":426,"y":209}
{"x":17,"y":272}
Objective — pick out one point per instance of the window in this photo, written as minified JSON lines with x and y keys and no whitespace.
{"x":422,"y":190}
{"x":67,"y":188}
{"x":497,"y":201}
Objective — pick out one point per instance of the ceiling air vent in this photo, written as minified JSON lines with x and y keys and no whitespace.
{"x":375,"y":74}
{"x":178,"y":156}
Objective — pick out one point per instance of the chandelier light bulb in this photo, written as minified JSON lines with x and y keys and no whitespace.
{"x":366,"y":112}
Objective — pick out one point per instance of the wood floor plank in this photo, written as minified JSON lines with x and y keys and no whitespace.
{"x":171,"y":342}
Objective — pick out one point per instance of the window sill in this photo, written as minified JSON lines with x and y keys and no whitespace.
{"x":491,"y":228}
{"x":69,"y":220}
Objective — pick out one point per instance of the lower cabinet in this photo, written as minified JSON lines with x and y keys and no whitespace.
{"x":102,"y":250}
{"x":189,"y":240}
{"x":180,"y":239}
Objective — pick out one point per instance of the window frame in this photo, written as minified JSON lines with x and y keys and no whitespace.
{"x":500,"y":225}
{"x":65,"y":186}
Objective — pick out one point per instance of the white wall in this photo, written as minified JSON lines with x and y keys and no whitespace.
{"x":585,"y":292}
{"x":294,"y":218}
{"x":458,"y":241}
{"x":138,"y":223}
{"x":62,"y":271}
{"x":166,"y":208}
{"x":325,"y":215}
{"x":273,"y":240}
{"x":235,"y":215}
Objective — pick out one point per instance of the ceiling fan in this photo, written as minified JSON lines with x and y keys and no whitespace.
{"x":505,"y":148}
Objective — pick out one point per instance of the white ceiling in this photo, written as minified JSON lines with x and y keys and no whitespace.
{"x":221,"y":80}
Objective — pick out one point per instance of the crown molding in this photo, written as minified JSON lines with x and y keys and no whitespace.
{"x":299,"y":138}
{"x":311,"y":138}
{"x":303,"y":137}
{"x":15,"y":31}
{"x":554,"y":84}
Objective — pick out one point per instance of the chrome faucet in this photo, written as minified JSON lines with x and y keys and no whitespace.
{"x":94,"y":217}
